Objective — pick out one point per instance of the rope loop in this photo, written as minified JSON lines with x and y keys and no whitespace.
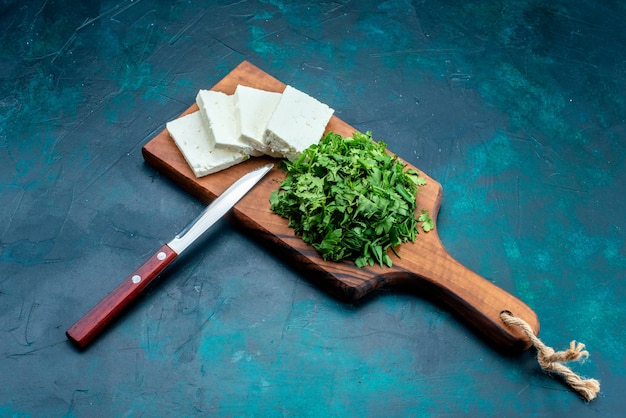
{"x":551,"y":361}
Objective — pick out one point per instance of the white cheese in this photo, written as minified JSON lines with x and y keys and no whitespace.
{"x":298,"y":121}
{"x":192,"y":139}
{"x":218,"y":112}
{"x":253,"y":108}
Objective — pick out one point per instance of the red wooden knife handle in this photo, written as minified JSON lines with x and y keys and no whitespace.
{"x":94,"y":321}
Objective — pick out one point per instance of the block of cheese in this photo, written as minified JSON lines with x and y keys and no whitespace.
{"x":192,"y":139}
{"x":218,"y":112}
{"x":253,"y":108}
{"x":298,"y":121}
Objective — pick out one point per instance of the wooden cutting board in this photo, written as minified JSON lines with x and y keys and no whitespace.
{"x":425,"y":267}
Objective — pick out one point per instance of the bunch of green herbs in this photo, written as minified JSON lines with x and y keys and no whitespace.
{"x":350,"y":199}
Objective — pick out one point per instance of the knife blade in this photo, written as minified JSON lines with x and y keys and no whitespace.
{"x":104,"y":312}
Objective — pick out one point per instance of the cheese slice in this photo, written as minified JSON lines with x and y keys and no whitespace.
{"x":193,"y":140}
{"x":218,"y":112}
{"x":298,"y":121}
{"x":253,"y":109}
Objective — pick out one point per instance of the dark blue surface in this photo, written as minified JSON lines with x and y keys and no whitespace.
{"x":516,"y":107}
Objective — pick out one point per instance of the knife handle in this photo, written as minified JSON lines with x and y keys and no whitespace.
{"x":94,"y":321}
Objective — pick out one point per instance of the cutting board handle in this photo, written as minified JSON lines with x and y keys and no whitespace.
{"x":474,"y":299}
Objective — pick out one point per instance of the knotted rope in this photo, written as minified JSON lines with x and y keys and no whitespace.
{"x":552,"y":361}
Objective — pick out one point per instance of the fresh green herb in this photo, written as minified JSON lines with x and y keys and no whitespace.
{"x":350,"y":199}
{"x":427,"y":223}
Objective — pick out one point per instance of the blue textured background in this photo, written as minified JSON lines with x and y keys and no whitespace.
{"x":516,"y":107}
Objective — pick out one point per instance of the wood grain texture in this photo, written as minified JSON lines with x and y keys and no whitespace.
{"x":424,"y":266}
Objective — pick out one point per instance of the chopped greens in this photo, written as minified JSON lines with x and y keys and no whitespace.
{"x":350,"y":199}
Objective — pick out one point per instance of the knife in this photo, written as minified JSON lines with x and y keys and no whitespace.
{"x":93,"y":322}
